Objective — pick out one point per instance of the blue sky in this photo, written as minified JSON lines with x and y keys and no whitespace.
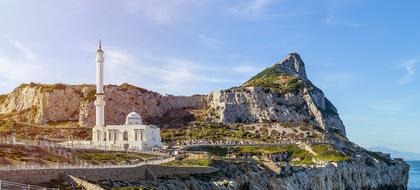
{"x":363,"y":54}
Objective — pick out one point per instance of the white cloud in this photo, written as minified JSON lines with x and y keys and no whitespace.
{"x":163,"y":11}
{"x":27,"y":52}
{"x":18,"y":65}
{"x":246,"y":69}
{"x":335,"y":8}
{"x":336,"y":79}
{"x":410,"y":70}
{"x":332,"y":20}
{"x":210,"y":42}
{"x":250,"y":8}
{"x":397,"y":106}
{"x":166,"y":75}
{"x":388,"y":106}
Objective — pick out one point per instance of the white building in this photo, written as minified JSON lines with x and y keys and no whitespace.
{"x":132,"y":135}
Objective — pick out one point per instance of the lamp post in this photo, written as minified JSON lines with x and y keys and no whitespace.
{"x":72,"y":137}
{"x":14,"y":136}
{"x":26,"y":135}
{"x":105,"y":139}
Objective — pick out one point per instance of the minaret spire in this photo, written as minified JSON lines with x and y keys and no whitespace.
{"x":100,"y":45}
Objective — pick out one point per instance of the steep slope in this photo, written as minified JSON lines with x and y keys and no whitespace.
{"x":280,"y":93}
{"x":240,"y":175}
{"x":41,"y":103}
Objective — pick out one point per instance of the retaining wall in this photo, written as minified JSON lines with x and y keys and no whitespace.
{"x":36,"y":176}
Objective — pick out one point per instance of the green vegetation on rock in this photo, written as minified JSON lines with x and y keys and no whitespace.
{"x":326,"y":152}
{"x":298,"y":155}
{"x":127,"y":86}
{"x":269,"y":149}
{"x":52,"y":87}
{"x":187,"y":162}
{"x":277,"y":83}
{"x":208,"y":132}
{"x":213,"y":150}
{"x":323,"y":152}
{"x":268,"y":72}
{"x":113,"y":157}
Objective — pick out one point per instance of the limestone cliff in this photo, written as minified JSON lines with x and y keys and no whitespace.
{"x":41,"y":104}
{"x":281,"y":93}
{"x":236,"y":175}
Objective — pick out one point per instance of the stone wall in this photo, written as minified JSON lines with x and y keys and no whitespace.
{"x":36,"y":176}
{"x":164,"y":171}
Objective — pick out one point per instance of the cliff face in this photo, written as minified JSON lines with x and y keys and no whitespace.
{"x":40,"y":104}
{"x":351,"y":175}
{"x":281,"y":93}
{"x":238,"y":175}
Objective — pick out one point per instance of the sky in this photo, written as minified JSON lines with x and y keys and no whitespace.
{"x":364,"y":54}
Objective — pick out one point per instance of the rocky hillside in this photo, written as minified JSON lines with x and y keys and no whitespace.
{"x":49,"y":104}
{"x":280,"y":93}
{"x":279,"y":105}
{"x":240,"y":175}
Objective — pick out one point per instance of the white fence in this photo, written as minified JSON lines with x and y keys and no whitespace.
{"x":7,"y":185}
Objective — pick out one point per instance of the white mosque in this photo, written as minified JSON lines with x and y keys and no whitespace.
{"x":132,"y":135}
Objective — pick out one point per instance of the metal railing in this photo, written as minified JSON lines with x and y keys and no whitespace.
{"x":7,"y":185}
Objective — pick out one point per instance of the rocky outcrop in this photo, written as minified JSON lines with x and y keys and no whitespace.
{"x":40,"y":103}
{"x":352,"y":175}
{"x":281,"y":93}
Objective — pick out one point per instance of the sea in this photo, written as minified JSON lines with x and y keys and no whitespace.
{"x":414,"y":178}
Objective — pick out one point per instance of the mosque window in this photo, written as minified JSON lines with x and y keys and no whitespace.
{"x":125,"y":136}
{"x":136,"y":135}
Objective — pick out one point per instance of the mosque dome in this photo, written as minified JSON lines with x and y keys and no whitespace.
{"x":133,"y":118}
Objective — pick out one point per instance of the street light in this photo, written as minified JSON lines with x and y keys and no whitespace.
{"x":26,"y":134}
{"x":14,"y":136}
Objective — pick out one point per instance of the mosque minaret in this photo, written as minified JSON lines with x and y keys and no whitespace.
{"x":132,"y":135}
{"x":99,"y":102}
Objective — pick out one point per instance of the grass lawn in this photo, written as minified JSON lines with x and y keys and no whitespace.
{"x":198,"y":162}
